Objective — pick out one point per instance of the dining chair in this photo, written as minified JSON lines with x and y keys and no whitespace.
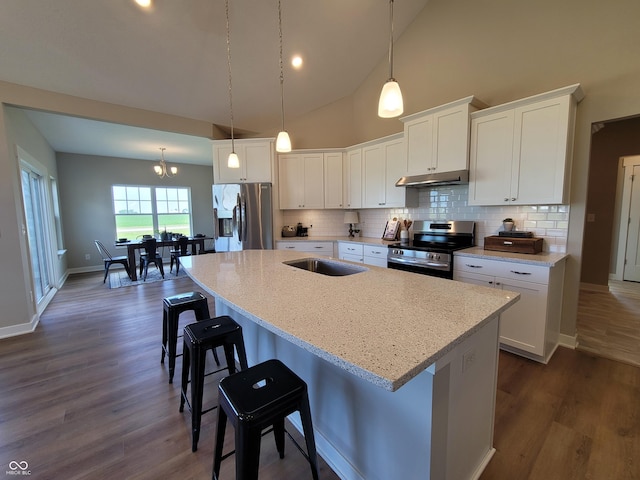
{"x":181,"y":249}
{"x":110,"y":259}
{"x":149,"y":256}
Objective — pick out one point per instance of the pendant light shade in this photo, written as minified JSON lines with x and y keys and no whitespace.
{"x":390,"y":104}
{"x":233,"y":161}
{"x":283,"y":142}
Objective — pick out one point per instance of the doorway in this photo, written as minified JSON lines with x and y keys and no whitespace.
{"x":628,"y":252}
{"x":608,"y":320}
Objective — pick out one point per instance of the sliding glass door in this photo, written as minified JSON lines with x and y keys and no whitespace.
{"x":33,"y":191}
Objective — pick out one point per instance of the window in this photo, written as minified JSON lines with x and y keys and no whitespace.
{"x":142,"y":210}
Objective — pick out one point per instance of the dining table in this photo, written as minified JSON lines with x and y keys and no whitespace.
{"x":197,"y":246}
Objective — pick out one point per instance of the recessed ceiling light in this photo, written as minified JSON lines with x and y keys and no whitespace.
{"x":296,"y":62}
{"x":144,"y":3}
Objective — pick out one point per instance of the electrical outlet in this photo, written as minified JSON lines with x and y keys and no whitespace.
{"x":468,"y":359}
{"x":87,"y":256}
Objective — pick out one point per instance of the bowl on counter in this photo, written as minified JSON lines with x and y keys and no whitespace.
{"x":288,"y":231}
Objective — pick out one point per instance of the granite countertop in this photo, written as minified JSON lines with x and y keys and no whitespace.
{"x":380,"y":324}
{"x":365,"y":240}
{"x":546,"y":259}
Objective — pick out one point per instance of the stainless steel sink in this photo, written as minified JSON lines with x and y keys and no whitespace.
{"x":326,"y":267}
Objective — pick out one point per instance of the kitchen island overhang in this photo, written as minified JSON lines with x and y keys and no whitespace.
{"x":385,"y":354}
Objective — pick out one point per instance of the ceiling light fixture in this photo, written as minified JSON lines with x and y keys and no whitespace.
{"x":390,"y":104}
{"x":233,"y":161}
{"x":161,"y":170}
{"x":296,"y":62}
{"x":283,"y":142}
{"x":144,"y":3}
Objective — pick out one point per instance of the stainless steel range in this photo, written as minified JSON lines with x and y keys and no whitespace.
{"x":431,"y":250}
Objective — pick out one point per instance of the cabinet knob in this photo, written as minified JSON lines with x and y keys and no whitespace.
{"x":506,"y":199}
{"x":513,"y":199}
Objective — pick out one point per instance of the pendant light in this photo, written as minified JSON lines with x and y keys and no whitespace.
{"x":233,"y":161}
{"x":390,"y":104}
{"x":283,"y":142}
{"x":161,"y":170}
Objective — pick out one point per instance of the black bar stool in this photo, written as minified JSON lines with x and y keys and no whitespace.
{"x":257,"y":398}
{"x":172,"y":308}
{"x":198,"y":338}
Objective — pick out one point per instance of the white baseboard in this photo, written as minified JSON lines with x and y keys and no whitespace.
{"x":92,"y":268}
{"x":568,"y":341}
{"x":21,"y":329}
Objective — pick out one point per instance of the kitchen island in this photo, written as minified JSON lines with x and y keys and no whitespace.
{"x":401,"y":368}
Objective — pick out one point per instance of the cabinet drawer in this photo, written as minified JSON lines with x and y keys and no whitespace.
{"x":350,"y":249}
{"x":322,"y":248}
{"x":525,"y":272}
{"x":377,"y":252}
{"x":511,"y":270}
{"x":476,"y":265}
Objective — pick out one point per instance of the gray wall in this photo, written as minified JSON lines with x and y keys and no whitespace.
{"x":16,"y":304}
{"x":85,"y":197}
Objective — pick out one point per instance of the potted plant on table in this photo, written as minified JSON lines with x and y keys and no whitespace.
{"x":507,"y":224}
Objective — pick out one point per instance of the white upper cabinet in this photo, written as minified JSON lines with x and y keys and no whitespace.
{"x":521,"y":151}
{"x":352,"y":179}
{"x":301,"y":180}
{"x":333,"y":180}
{"x":256,"y":161}
{"x":383,"y":163}
{"x":437,"y":140}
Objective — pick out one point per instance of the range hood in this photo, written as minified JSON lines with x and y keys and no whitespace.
{"x":458,"y":177}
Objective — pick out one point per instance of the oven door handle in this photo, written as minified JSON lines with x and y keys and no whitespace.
{"x":418,"y":263}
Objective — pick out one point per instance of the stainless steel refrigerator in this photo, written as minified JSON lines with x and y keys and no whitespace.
{"x":242,"y":216}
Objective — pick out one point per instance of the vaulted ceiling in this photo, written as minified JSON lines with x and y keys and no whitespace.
{"x":172,"y":58}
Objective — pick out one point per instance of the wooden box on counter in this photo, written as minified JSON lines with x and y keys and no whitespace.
{"x":513,"y":244}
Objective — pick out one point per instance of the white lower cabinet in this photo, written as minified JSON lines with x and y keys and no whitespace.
{"x":531,"y":327}
{"x":363,"y":253}
{"x":307,"y":246}
{"x":354,"y":252}
{"x":375,"y":255}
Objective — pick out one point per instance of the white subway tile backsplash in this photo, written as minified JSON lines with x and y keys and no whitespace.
{"x":446,"y":203}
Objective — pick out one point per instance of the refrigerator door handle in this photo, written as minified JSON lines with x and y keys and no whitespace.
{"x":243,"y":217}
{"x":237,"y":213}
{"x":216,"y":234}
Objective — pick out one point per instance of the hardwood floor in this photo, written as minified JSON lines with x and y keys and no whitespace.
{"x":576,"y":418}
{"x":608,"y":322}
{"x":85,"y":397}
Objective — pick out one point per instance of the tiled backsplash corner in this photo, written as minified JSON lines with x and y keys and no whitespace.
{"x":550,"y":222}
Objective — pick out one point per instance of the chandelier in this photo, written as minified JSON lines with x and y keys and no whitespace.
{"x":161,"y":170}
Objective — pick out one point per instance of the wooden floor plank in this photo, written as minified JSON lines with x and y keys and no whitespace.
{"x":85,"y":397}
